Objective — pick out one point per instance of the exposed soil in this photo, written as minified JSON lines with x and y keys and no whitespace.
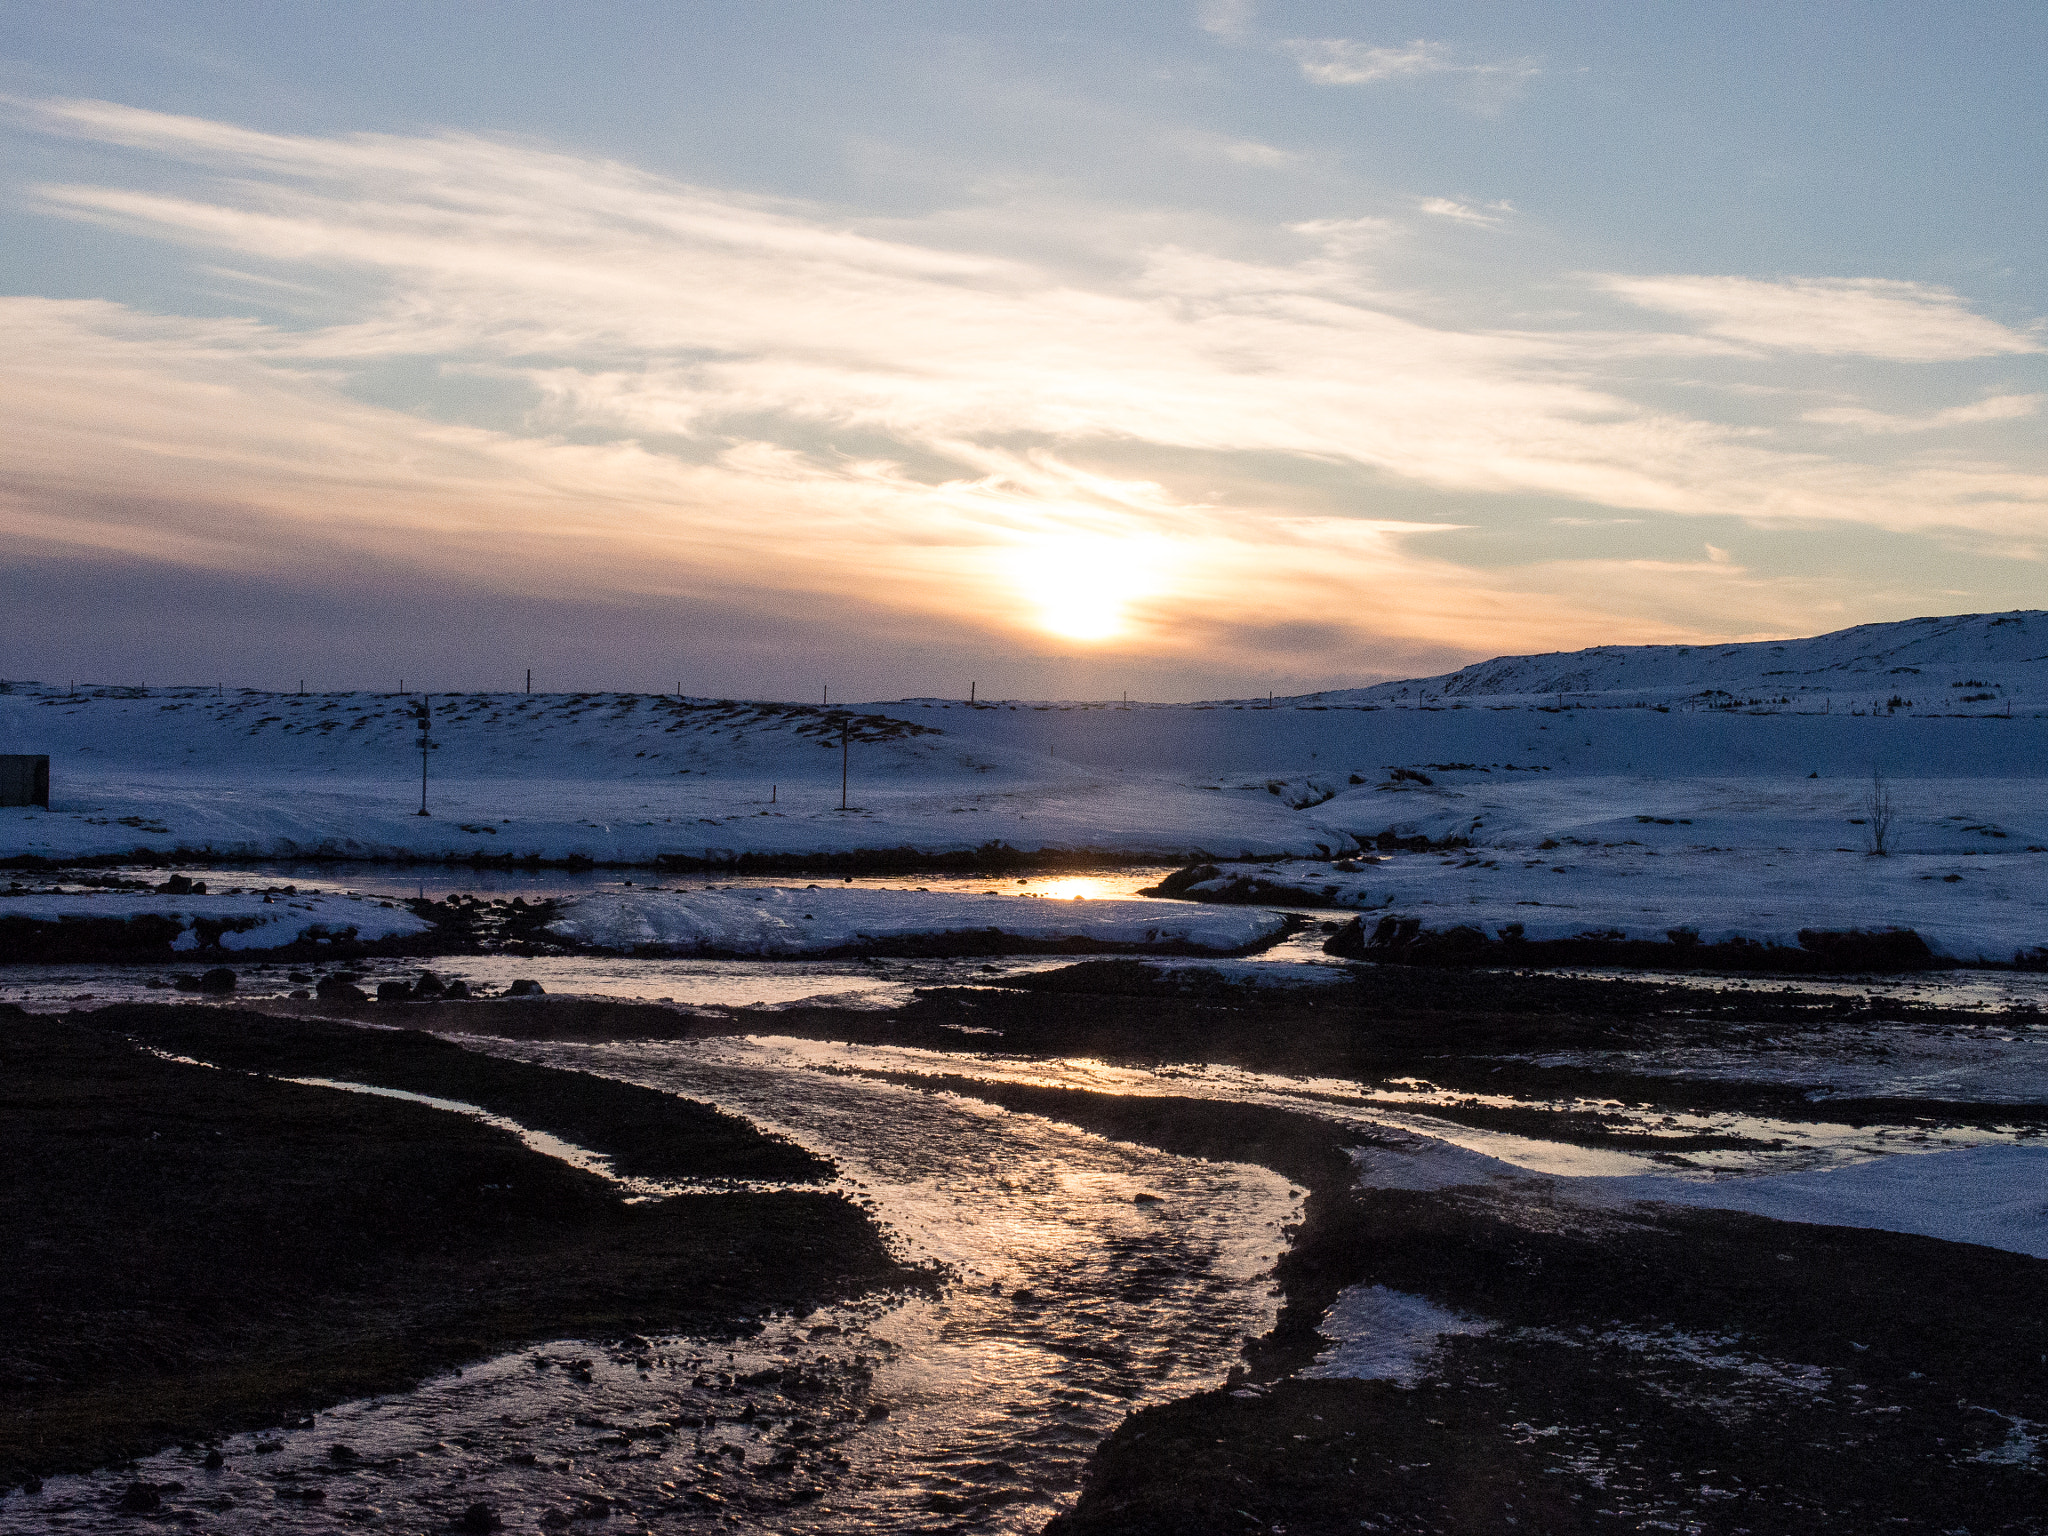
{"x":193,"y":1251}
{"x":646,"y":1134}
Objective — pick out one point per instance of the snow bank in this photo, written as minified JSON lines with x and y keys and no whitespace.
{"x":1968,"y":907}
{"x":1995,"y":1196}
{"x":233,"y":923}
{"x":783,"y":921}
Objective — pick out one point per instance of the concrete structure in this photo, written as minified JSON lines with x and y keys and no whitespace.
{"x":24,"y":779}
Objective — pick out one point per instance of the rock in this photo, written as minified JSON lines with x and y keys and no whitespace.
{"x":525,"y":988}
{"x":298,"y":976}
{"x":340,"y":989}
{"x":140,"y":1499}
{"x":1181,"y":879}
{"x":177,"y":885}
{"x":429,"y":985}
{"x":457,"y":992}
{"x":219,"y":979}
{"x":185,"y":983}
{"x":479,"y":1517}
{"x":341,"y":1454}
{"x":214,"y":1460}
{"x":300,"y":995}
{"x":1348,"y":942}
{"x":394,"y":991}
{"x":1145,"y":1199}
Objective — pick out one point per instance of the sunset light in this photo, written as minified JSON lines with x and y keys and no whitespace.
{"x":1082,"y":588}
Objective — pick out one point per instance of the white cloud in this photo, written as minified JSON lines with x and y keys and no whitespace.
{"x":1994,"y":408}
{"x":1869,"y":317}
{"x":738,"y":393}
{"x":1226,"y":18}
{"x":1338,"y":61}
{"x":1342,"y":61}
{"x":1485,"y":214}
{"x":1217,"y":146}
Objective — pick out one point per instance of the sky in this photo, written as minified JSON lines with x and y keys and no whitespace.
{"x":1191,"y":350}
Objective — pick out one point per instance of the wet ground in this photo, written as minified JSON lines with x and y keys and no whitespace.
{"x":1098,"y":1264}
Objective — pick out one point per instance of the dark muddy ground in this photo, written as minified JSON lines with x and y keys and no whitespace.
{"x":1659,"y":1368}
{"x":1644,"y":1367}
{"x":192,"y":1251}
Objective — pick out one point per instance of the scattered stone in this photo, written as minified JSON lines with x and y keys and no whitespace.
{"x":341,"y":988}
{"x":220,"y":979}
{"x":140,"y":1499}
{"x":456,"y":992}
{"x":429,"y":985}
{"x":479,"y":1517}
{"x":341,"y":1454}
{"x":394,"y":992}
{"x":214,"y":1460}
{"x":525,"y":988}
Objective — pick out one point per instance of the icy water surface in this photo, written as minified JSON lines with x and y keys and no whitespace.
{"x":1087,"y":1278}
{"x":439,"y":881}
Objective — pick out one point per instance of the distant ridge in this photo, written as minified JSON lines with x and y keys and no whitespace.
{"x":1974,"y":662}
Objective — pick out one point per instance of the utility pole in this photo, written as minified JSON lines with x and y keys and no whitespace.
{"x":826,"y":701}
{"x":970,"y":692}
{"x":424,"y":714}
{"x":845,"y":755}
{"x":529,"y":679}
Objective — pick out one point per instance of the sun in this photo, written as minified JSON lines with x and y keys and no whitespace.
{"x":1082,"y":587}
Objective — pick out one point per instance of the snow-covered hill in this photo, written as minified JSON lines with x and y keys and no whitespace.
{"x":1969,"y":663}
{"x":642,"y":779}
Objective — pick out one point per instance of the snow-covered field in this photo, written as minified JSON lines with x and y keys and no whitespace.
{"x":248,"y":922}
{"x":1637,"y":857}
{"x":1608,"y":790}
{"x":797,"y":922}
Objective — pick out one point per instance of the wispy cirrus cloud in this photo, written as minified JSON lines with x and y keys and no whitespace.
{"x":1839,"y":317}
{"x":1993,"y":408}
{"x":1344,"y":61}
{"x":721,"y":392}
{"x":1483,"y":214}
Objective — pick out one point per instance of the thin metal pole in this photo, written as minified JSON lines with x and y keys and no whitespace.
{"x":426,"y":715}
{"x":845,"y":753}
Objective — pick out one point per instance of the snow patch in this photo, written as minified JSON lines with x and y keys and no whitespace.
{"x":1381,"y":1335}
{"x":782,"y":921}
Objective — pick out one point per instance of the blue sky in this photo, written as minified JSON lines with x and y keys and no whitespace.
{"x":1193,"y":349}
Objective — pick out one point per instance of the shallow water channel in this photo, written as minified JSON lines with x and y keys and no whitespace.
{"x":1087,"y":1279}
